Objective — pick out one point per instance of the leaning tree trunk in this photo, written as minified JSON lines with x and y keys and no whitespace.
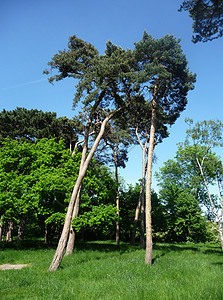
{"x":71,"y":240}
{"x":148,"y":218}
{"x":64,"y":236}
{"x":72,"y":235}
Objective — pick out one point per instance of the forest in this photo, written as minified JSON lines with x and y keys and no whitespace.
{"x":64,"y":206}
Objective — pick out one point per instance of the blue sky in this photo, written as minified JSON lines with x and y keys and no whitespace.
{"x":33,"y":31}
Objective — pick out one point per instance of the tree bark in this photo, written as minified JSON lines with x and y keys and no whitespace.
{"x":140,"y":205}
{"x":220,"y":232}
{"x":117,"y":231}
{"x":71,"y":240}
{"x":64,"y":236}
{"x":142,"y":235}
{"x":9,"y":235}
{"x":148,"y":218}
{"x":141,"y":202}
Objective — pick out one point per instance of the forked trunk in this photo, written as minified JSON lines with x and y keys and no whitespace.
{"x":64,"y":236}
{"x":149,"y":243}
{"x":72,"y":235}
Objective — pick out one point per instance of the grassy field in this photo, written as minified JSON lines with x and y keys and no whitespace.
{"x":97,"y":270}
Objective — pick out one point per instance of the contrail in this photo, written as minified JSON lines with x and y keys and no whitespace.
{"x":22,"y":84}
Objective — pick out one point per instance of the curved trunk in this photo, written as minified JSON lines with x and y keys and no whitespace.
{"x":64,"y":236}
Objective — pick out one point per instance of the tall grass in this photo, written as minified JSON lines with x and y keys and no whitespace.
{"x":98,"y":270}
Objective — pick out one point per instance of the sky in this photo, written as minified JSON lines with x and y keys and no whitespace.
{"x":33,"y":31}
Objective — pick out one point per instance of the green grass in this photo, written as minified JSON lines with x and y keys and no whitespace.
{"x":97,"y":270}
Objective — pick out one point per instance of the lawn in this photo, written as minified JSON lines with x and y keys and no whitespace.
{"x":98,"y":270}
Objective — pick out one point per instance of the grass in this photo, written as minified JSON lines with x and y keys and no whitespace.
{"x":97,"y":270}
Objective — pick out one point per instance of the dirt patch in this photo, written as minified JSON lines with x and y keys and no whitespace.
{"x":11,"y":267}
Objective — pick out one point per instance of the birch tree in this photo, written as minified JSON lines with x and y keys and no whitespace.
{"x":209,"y":135}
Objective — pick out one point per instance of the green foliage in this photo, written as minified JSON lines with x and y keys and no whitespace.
{"x":100,"y":218}
{"x":128,"y":201}
{"x":37,"y":181}
{"x":207,"y":18}
{"x":183,"y":171}
{"x":33,"y":124}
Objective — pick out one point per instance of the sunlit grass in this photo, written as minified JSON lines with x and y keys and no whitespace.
{"x":98,"y":270}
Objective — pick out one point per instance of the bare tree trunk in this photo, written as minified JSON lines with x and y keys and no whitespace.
{"x":141,"y":202}
{"x":142,"y":235}
{"x":117,"y":235}
{"x":71,"y":240}
{"x":9,"y":235}
{"x":149,"y":243}
{"x":220,"y":232}
{"x":21,"y":230}
{"x":117,"y":231}
{"x":64,"y":236}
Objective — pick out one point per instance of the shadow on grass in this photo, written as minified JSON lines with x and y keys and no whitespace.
{"x":213,"y":251}
{"x":25,"y":245}
{"x":103,"y":246}
{"x":218,"y":264}
{"x":173,"y":247}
